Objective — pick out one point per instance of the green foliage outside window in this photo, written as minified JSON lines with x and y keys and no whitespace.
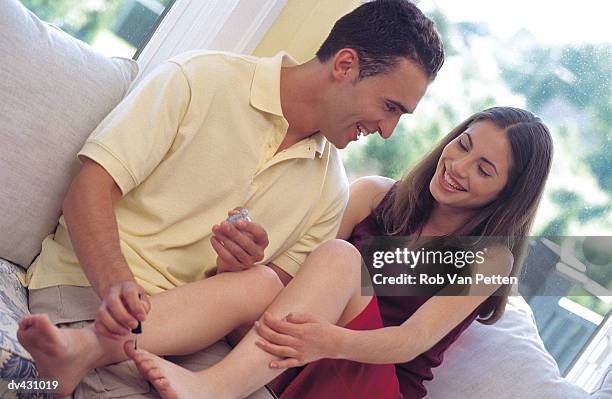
{"x":567,"y":85}
{"x":81,"y":19}
{"x":86,"y":20}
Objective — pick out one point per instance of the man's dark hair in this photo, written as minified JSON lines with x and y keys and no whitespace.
{"x":383,"y":31}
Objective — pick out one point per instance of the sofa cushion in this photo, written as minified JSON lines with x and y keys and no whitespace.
{"x":604,"y":390}
{"x":54,"y":90}
{"x":506,"y":360}
{"x":15,"y":362}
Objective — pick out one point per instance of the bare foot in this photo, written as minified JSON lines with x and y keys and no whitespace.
{"x":58,"y":353}
{"x":170,"y":380}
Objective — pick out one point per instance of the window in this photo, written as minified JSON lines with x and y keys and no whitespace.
{"x":567,"y":283}
{"x":113,"y":27}
{"x":554,"y":60}
{"x":589,"y":368}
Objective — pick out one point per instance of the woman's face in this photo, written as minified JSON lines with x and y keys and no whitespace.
{"x":473,"y":168}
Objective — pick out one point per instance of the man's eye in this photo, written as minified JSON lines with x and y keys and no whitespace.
{"x":391,"y":108}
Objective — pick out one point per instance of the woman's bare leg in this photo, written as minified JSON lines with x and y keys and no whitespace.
{"x":328,"y":284}
{"x":181,"y":321}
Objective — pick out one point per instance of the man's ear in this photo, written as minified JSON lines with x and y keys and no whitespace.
{"x":345,"y":65}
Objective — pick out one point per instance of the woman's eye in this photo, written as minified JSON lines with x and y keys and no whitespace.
{"x":391,"y":108}
{"x":463,"y":147}
{"x":482,"y":171}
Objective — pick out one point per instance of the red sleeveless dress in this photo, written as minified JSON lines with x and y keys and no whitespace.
{"x":344,"y":379}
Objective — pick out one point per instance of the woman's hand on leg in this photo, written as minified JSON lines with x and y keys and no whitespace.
{"x":298,"y":339}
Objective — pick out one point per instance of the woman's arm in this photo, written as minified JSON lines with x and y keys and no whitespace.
{"x":302,"y":338}
{"x":365,"y":194}
{"x":436,"y":318}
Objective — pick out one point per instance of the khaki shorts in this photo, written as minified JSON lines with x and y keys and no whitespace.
{"x":70,"y":306}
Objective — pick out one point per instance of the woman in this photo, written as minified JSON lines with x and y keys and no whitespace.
{"x":484,"y":179}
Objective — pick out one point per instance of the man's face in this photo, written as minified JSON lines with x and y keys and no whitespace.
{"x":373,"y":104}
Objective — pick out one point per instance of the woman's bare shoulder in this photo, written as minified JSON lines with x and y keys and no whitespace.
{"x":365,"y":195}
{"x":372,"y":189}
{"x":367,"y":192}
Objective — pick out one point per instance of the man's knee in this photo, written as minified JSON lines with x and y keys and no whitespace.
{"x":337,"y":255}
{"x":267,"y":279}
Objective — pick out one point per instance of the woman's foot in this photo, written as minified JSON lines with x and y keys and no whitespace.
{"x":59,"y":354}
{"x":170,"y":380}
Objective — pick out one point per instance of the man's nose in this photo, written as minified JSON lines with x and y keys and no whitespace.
{"x":387,"y":127}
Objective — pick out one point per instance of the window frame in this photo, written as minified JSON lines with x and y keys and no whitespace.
{"x":588,"y":368}
{"x":185,"y":25}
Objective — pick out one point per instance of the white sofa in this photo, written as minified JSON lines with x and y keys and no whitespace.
{"x":54,"y":90}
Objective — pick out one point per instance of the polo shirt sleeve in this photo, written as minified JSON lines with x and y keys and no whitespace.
{"x":324,"y":229}
{"x":134,"y":138}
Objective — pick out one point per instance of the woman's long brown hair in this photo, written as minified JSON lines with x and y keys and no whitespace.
{"x":510,"y":215}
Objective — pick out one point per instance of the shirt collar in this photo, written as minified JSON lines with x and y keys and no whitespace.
{"x":265,"y":89}
{"x":265,"y":93}
{"x":319,"y":142}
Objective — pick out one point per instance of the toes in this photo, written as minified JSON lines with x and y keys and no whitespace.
{"x":154,"y":373}
{"x":128,"y":348}
{"x":162,"y":385}
{"x":30,"y":325}
{"x":23,"y":323}
{"x":35,"y":320}
{"x":44,"y":323}
{"x":142,"y":357}
{"x":143,"y":360}
{"x":148,"y":370}
{"x":20,"y":337}
{"x":145,"y":366}
{"x":27,"y":322}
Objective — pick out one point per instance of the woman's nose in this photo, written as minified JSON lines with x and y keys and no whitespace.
{"x":460,"y":165}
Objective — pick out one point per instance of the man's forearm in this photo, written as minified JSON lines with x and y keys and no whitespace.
{"x":90,"y":218}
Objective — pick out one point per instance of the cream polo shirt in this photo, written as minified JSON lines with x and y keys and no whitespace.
{"x":194,"y":140}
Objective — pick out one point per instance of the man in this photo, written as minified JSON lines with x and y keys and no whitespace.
{"x":207,"y":132}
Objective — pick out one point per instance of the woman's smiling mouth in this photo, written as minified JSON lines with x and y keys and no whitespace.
{"x":447,"y":182}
